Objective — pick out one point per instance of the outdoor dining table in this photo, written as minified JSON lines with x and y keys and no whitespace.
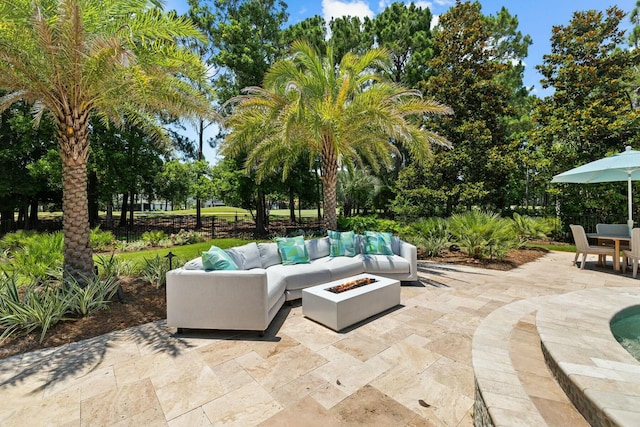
{"x":616,"y":244}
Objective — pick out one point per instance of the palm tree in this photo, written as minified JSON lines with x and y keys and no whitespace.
{"x":117,"y":59}
{"x":340,"y":115}
{"x":356,"y":190}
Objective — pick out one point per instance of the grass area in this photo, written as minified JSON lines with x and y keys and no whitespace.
{"x":284,"y":213}
{"x":553,"y":247}
{"x":225,"y":211}
{"x":184,"y":253}
{"x":212,"y":211}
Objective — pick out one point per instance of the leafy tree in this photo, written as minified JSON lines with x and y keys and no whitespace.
{"x":348,"y":35}
{"x":467,"y":72}
{"x":341,"y":114}
{"x":405,"y":30}
{"x":173,"y":182}
{"x":28,"y":171}
{"x":245,"y":39}
{"x":634,"y":17}
{"x":125,"y":161}
{"x":591,"y":112}
{"x":312,"y":30}
{"x":116,"y":58}
{"x":356,"y":190}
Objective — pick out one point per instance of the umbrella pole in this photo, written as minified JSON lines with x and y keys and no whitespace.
{"x":630,"y":220}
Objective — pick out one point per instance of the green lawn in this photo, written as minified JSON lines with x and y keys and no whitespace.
{"x":224,"y":211}
{"x":184,"y":253}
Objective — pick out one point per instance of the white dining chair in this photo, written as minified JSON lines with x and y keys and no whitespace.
{"x":633,"y":253}
{"x":584,"y":248}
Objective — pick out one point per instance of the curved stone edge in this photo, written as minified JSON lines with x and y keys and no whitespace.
{"x":500,"y":397}
{"x":599,"y":376}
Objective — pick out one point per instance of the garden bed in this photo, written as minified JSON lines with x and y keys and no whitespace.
{"x":144,"y":303}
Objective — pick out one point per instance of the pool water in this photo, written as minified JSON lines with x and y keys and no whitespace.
{"x":626,"y":329}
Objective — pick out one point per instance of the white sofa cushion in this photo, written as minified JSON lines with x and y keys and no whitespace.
{"x":269,"y":254}
{"x":276,"y":285}
{"x":300,"y":276}
{"x":385,"y":264}
{"x":342,"y":266}
{"x":318,"y":248}
{"x":246,"y":256}
{"x":194,"y":264}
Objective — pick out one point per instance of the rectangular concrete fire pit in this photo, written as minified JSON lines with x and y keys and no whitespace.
{"x":340,"y":310}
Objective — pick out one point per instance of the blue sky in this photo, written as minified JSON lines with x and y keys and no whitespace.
{"x":536,"y":18}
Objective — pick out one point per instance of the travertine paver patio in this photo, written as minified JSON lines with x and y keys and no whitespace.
{"x":410,"y":366}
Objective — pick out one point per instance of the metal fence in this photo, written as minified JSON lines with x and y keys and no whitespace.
{"x":212,"y":226}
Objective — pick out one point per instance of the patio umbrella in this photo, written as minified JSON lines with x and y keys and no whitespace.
{"x":623,"y":166}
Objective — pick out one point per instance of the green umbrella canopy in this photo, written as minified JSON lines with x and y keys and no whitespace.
{"x":623,"y":166}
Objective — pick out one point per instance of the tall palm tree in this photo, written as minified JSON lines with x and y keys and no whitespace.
{"x":339,"y":114}
{"x":118,"y":59}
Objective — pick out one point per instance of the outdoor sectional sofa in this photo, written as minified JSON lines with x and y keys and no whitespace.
{"x":250,"y":297}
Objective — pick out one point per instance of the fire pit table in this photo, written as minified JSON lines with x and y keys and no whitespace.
{"x":342,"y":303}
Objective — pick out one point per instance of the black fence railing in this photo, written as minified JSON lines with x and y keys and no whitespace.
{"x":211,"y":226}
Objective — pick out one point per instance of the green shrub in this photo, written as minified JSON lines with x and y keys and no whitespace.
{"x":360,"y":224}
{"x":94,"y":296}
{"x":483,"y":233}
{"x":530,"y":228}
{"x":430,"y":234}
{"x":154,"y":237}
{"x":184,"y":237}
{"x":101,"y":240}
{"x":38,"y":307}
{"x":112,"y":266}
{"x":154,"y":270}
{"x":13,"y":241}
{"x":40,"y":257}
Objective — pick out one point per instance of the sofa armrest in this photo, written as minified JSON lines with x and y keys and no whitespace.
{"x":217,"y":299}
{"x":410,"y":253}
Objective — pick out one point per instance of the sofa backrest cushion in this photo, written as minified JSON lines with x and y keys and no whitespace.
{"x":217,"y":259}
{"x":269,"y":254}
{"x":318,"y":248}
{"x":342,"y":243}
{"x":395,"y":245}
{"x":246,"y":256}
{"x":194,"y":264}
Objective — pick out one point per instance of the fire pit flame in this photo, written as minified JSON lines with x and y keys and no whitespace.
{"x":352,"y":284}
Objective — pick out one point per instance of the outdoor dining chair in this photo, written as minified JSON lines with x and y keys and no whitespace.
{"x":584,"y":248}
{"x":633,"y":253}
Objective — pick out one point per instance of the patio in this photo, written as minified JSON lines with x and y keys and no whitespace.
{"x":409,"y":366}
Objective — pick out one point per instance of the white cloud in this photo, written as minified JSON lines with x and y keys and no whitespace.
{"x":424,"y":4}
{"x":435,"y":20}
{"x":336,"y":9}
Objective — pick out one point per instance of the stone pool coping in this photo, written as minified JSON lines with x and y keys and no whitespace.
{"x":598,"y":375}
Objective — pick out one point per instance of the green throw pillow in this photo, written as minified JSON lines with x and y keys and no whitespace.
{"x":292,"y":250}
{"x":217,"y":259}
{"x":377,"y":243}
{"x":342,"y":244}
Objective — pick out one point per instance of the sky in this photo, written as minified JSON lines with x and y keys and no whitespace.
{"x":536,"y":18}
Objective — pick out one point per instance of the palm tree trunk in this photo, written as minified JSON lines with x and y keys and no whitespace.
{"x":74,"y":152}
{"x":329,"y":184}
